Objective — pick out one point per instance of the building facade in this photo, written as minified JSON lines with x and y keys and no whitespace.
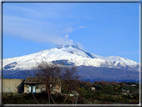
{"x":29,"y":85}
{"x":13,"y":85}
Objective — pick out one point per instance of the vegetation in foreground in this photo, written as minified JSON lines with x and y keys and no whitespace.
{"x":104,"y":93}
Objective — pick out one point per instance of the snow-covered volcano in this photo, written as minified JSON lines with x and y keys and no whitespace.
{"x":70,"y":55}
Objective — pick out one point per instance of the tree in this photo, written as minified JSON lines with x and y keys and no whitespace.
{"x":55,"y":74}
{"x":89,"y":84}
{"x":70,"y":81}
{"x":50,"y":74}
{"x":104,"y":83}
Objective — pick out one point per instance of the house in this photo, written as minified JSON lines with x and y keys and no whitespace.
{"x":28,"y":85}
{"x":13,"y":85}
{"x":133,"y":85}
{"x":37,"y":85}
{"x":92,"y":88}
{"x":74,"y":93}
{"x":124,"y":91}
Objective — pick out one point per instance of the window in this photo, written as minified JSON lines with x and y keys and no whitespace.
{"x":32,"y":89}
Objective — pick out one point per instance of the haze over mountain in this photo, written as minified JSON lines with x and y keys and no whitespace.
{"x":73,"y":55}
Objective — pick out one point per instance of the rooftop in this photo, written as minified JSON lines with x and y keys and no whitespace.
{"x":36,"y":80}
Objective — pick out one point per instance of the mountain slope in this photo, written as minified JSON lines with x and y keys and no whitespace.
{"x":72,"y":55}
{"x":90,"y":66}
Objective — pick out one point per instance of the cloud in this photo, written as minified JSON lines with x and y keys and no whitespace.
{"x":68,"y":30}
{"x":45,"y":24}
{"x":80,"y":45}
{"x":66,"y":36}
{"x":81,"y":27}
{"x":71,"y":29}
{"x":35,"y":31}
{"x":70,"y":41}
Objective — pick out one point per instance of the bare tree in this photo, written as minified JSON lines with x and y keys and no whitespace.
{"x":51,"y":75}
{"x":70,"y":82}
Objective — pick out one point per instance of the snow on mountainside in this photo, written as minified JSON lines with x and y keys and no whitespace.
{"x":72,"y":55}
